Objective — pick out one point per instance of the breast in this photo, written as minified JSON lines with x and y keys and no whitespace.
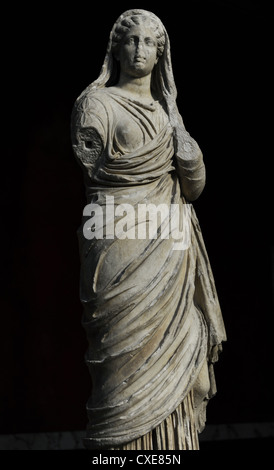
{"x":127,"y":136}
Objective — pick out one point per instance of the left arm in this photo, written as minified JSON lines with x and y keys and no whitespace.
{"x":190,"y":168}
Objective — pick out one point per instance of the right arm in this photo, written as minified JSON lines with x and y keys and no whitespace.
{"x":88,"y":133}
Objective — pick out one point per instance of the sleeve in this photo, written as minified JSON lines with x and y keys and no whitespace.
{"x":88,"y":132}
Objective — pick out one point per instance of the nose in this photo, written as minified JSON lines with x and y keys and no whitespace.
{"x":140,"y":46}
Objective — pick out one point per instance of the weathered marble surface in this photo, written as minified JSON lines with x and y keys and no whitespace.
{"x":151,"y":311}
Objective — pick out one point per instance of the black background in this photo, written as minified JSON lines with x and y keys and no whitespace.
{"x":222,"y":63}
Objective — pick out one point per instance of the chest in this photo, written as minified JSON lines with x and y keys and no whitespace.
{"x":132,"y":130}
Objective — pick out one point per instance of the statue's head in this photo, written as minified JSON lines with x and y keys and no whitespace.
{"x":137,"y":43}
{"x":129,"y":20}
{"x":139,"y":23}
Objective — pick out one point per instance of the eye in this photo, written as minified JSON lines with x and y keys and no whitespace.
{"x":150,"y":42}
{"x":130,"y":40}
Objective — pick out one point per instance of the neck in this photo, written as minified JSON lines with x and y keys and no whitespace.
{"x":137,"y":87}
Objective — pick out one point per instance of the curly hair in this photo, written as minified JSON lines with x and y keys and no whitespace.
{"x":136,"y":17}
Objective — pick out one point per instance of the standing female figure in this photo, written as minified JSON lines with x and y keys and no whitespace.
{"x":151,"y":311}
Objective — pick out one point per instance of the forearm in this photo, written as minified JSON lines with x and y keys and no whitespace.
{"x":192,"y":176}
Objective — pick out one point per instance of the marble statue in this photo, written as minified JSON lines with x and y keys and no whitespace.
{"x":151,"y":311}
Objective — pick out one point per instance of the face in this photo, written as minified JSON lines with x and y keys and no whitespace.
{"x":138,"y":51}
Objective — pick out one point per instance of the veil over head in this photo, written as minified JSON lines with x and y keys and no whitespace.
{"x":162,"y":79}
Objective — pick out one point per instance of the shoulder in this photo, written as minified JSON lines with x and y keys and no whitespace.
{"x":90,"y":111}
{"x":91,"y":101}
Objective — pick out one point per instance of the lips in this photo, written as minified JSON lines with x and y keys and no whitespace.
{"x":140,"y":60}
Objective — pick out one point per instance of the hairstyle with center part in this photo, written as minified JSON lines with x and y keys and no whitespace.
{"x":125,"y":23}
